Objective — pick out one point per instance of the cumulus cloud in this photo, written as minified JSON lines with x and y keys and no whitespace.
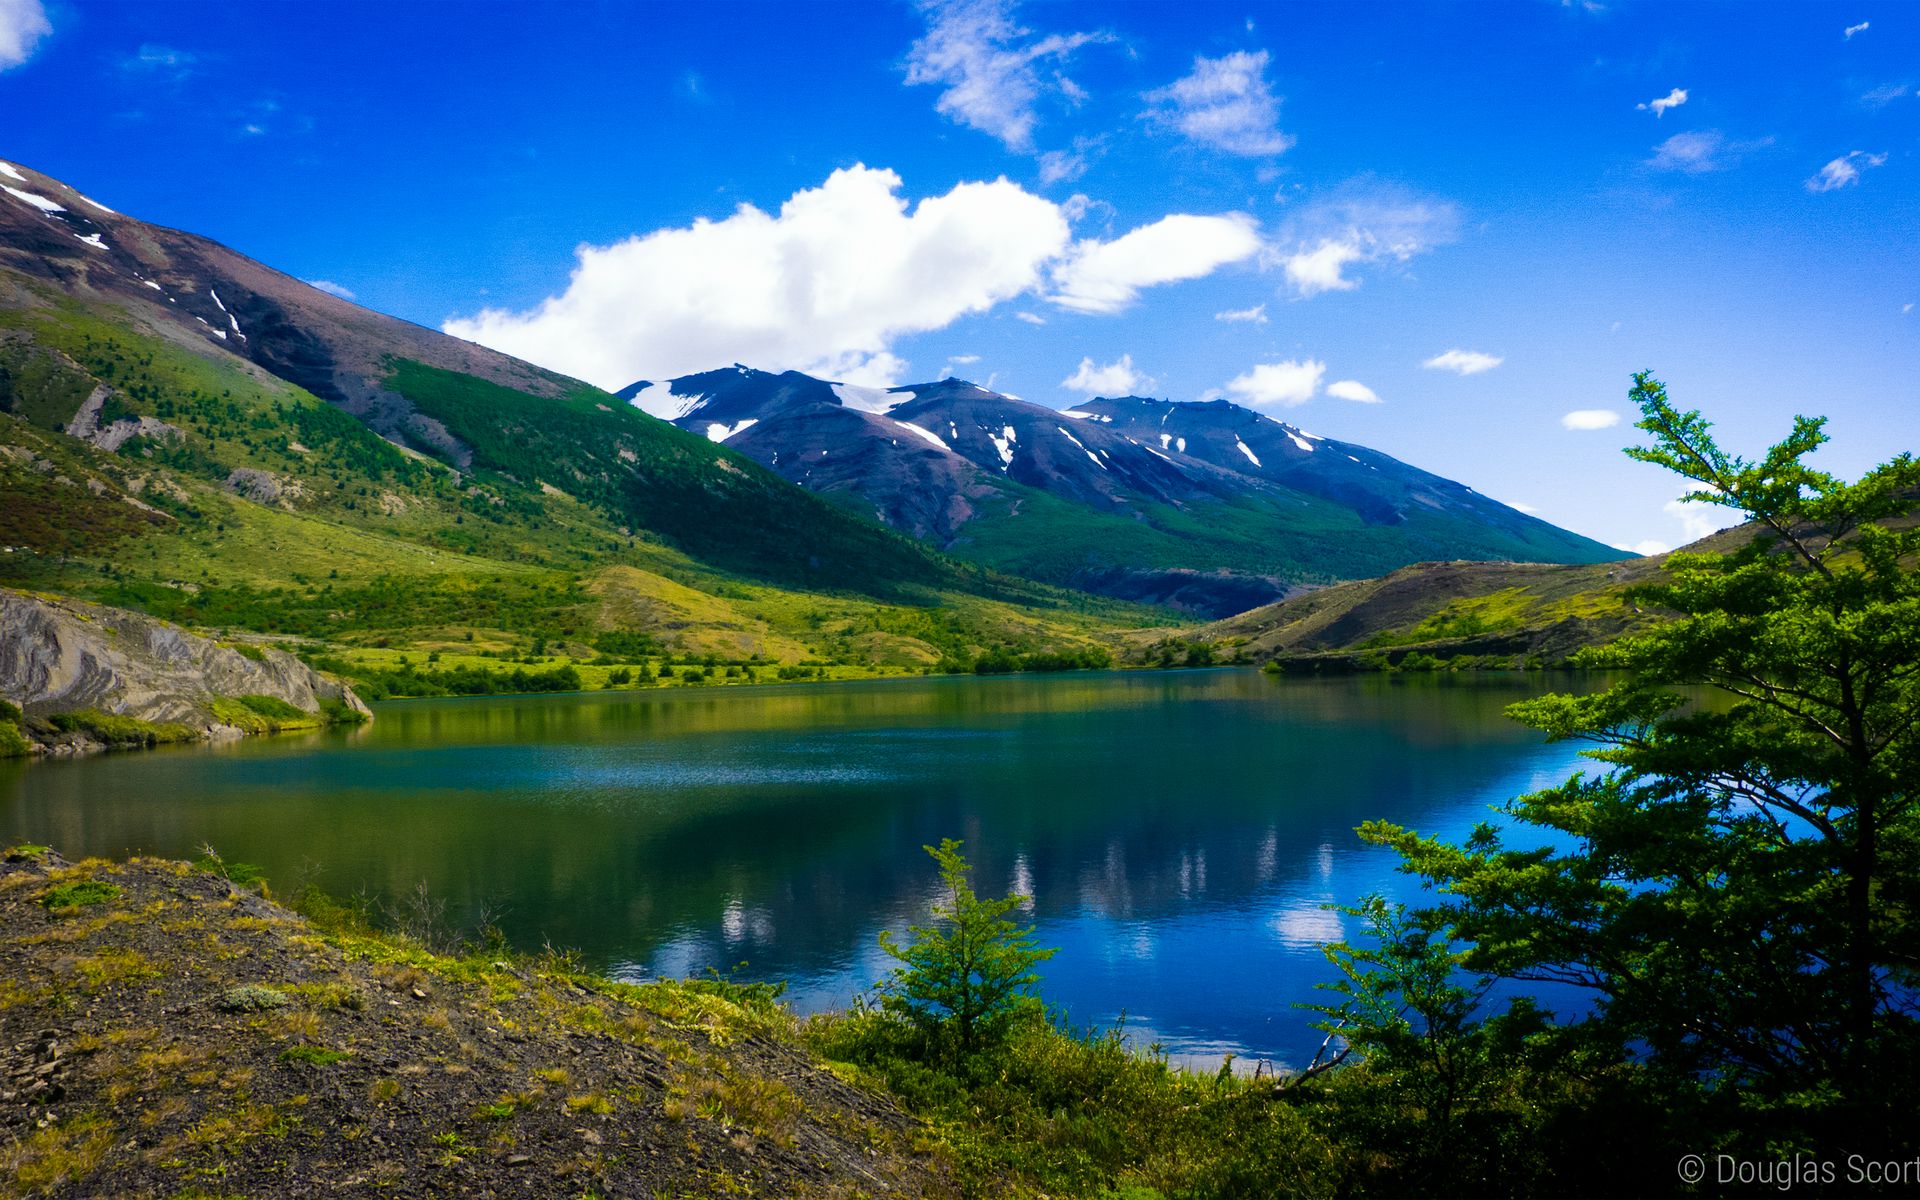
{"x":331,"y":288}
{"x":1257,"y":315}
{"x":1278,"y":385}
{"x":1649,"y":547}
{"x":823,"y":285}
{"x":1853,"y":29}
{"x":1463,"y":362}
{"x":1673,"y":99}
{"x":22,"y":24}
{"x":1352,"y":389}
{"x":1362,"y":225}
{"x":988,"y":66}
{"x":1106,"y":277}
{"x":1844,"y":171}
{"x":1590,"y":418}
{"x":1115,"y":379}
{"x":1224,"y":103}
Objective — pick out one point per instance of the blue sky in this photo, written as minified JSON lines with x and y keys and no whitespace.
{"x":1050,"y":192}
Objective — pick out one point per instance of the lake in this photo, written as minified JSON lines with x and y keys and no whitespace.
{"x":1179,"y":831}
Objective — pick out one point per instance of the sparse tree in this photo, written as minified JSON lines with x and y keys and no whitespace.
{"x":963,"y":978}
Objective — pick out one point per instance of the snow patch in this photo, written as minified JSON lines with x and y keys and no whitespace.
{"x":150,"y":283}
{"x":928,"y":434}
{"x":1351,"y":458}
{"x":658,"y":400}
{"x":94,"y":240}
{"x":1076,"y":441}
{"x":717,"y":432}
{"x":1005,"y":446}
{"x":90,"y":200}
{"x":1165,"y":439}
{"x":38,"y":201}
{"x":1299,"y":441}
{"x":1156,"y":453}
{"x":7,"y":169}
{"x":1251,"y":457}
{"x":1181,"y":443}
{"x":235,"y":321}
{"x":1075,"y":413}
{"x":867,"y":399}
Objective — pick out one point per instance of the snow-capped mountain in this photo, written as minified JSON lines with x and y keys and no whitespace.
{"x":1130,"y":496}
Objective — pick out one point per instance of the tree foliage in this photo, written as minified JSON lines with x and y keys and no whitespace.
{"x":964,"y":978}
{"x":1736,"y":885}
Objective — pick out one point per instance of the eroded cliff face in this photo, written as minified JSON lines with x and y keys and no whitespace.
{"x":59,"y":655}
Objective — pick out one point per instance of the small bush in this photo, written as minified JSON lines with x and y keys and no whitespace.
{"x":318,"y":1056}
{"x":13,"y":743}
{"x":81,"y":893}
{"x":251,"y":997}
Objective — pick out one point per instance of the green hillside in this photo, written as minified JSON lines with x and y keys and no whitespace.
{"x":197,"y":487}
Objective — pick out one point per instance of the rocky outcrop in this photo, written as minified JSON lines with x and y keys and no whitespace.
{"x":59,"y":655}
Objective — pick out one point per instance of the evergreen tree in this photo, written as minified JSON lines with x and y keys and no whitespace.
{"x":964,"y":978}
{"x":1737,"y":886}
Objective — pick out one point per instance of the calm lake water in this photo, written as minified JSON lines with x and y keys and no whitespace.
{"x":1179,"y":831}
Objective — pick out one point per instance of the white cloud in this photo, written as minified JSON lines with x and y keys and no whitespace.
{"x":1105,"y":277}
{"x":1907,"y":307}
{"x":1590,"y":418}
{"x":823,"y":285}
{"x":331,"y":288}
{"x":1880,"y":97}
{"x":1649,"y":547}
{"x":1673,"y":99}
{"x":1698,"y":518}
{"x":964,"y":359}
{"x":1031,"y":318}
{"x":1257,"y":315}
{"x":1352,"y":389}
{"x":1844,"y":171}
{"x":1516,"y":506}
{"x":1365,"y":225}
{"x":1061,"y":166}
{"x":1463,"y":362}
{"x":1223,"y":103}
{"x":1282,"y":384}
{"x":1700,"y":151}
{"x":22,"y":24}
{"x":1853,"y":29}
{"x":1115,"y":379}
{"x":1694,"y":153}
{"x":988,"y":65}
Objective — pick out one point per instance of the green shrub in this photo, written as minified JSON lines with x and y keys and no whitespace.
{"x":116,"y":730}
{"x":251,"y":997}
{"x":81,"y":893}
{"x":11,"y":714}
{"x":13,"y":743}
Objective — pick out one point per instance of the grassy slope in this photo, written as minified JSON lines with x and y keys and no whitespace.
{"x":370,"y":549}
{"x":207,"y":1042}
{"x":1473,"y":614}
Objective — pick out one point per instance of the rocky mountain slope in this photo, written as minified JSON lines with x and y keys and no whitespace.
{"x":60,"y":656}
{"x":161,"y":1028}
{"x":1208,"y":505}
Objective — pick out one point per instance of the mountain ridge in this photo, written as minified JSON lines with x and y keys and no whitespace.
{"x":1156,"y":493}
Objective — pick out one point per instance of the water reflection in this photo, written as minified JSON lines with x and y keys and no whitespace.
{"x":1179,"y":832}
